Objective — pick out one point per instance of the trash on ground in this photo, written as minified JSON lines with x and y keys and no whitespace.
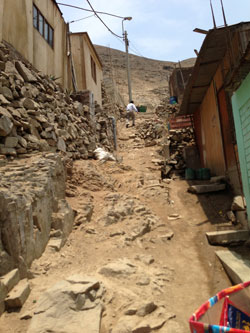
{"x":228,"y":311}
{"x":103,"y":155}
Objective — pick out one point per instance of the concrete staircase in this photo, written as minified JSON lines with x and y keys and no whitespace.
{"x":13,"y":291}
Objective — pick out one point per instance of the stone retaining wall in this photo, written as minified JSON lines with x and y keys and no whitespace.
{"x":32,"y":203}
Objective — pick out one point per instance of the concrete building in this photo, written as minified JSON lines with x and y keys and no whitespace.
{"x":37,"y":30}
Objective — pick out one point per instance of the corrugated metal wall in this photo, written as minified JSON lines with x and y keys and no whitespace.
{"x":212,"y":146}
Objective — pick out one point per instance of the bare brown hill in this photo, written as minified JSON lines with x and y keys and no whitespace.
{"x":149,"y":77}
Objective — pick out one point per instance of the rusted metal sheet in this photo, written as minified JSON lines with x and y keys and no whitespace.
{"x":212,"y":146}
{"x":180,"y":122}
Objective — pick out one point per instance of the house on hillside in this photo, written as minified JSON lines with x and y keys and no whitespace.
{"x":218,"y":97}
{"x":37,"y":30}
{"x":87,"y":65}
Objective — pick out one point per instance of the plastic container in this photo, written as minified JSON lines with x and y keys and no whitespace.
{"x":203,"y":174}
{"x":198,"y":174}
{"x":189,"y":174}
{"x":173,"y":100}
{"x":142,"y":108}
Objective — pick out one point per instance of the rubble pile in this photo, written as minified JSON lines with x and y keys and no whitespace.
{"x":151,"y":131}
{"x":37,"y":115}
{"x":166,"y":110}
{"x":178,"y":141}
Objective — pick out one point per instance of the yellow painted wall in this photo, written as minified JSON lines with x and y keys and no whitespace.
{"x":77,"y":47}
{"x":16,"y":28}
{"x":94,"y":87}
{"x":82,"y":50}
{"x":211,"y":134}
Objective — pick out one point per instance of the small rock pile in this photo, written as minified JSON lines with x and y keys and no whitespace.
{"x":165,"y":110}
{"x":178,"y":141}
{"x":36,"y":114}
{"x":151,"y":131}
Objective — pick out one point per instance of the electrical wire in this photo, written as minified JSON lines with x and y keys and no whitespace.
{"x":89,"y":10}
{"x":82,"y":18}
{"x":136,"y":50}
{"x":103,"y":21}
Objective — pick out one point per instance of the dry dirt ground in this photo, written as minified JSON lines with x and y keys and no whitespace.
{"x":173,"y":265}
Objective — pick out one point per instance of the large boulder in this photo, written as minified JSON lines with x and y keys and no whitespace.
{"x":72,"y":305}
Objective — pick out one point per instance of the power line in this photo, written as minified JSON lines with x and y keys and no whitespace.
{"x":135,"y":49}
{"x":89,"y":10}
{"x":82,"y":18}
{"x":102,"y":20}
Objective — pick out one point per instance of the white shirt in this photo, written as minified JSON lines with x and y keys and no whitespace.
{"x":131,"y":107}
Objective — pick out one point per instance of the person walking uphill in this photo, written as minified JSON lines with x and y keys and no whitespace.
{"x":131,"y":109}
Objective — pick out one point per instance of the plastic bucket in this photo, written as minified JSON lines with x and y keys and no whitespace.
{"x":205,"y":174}
{"x":142,"y":108}
{"x":173,"y":100}
{"x":198,"y":174}
{"x":189,"y":174}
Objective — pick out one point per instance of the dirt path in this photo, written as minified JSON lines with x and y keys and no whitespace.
{"x":124,"y":216}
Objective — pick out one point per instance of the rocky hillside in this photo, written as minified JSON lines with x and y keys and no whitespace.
{"x":149,"y":77}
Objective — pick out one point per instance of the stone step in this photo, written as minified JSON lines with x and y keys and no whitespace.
{"x":11,"y":279}
{"x":18,"y":295}
{"x":236,"y":266}
{"x":227,"y":237}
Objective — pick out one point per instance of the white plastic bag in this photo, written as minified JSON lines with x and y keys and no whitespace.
{"x":103,"y":155}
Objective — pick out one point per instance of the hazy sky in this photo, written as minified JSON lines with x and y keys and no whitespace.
{"x":160,"y":29}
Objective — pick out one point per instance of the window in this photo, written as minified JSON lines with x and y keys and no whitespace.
{"x":40,"y":24}
{"x":43,"y":26}
{"x":35,"y":17}
{"x":46,"y":31}
{"x":93,"y":69}
{"x":51,"y":37}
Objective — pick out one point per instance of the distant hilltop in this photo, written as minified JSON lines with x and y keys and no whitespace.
{"x":149,"y":77}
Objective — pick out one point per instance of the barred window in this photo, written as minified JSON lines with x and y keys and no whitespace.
{"x":45,"y":29}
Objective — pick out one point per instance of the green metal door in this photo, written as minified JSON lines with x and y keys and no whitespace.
{"x":241,"y":112}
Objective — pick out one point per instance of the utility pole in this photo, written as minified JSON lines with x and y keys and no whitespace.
{"x":128,"y":65}
{"x":125,"y":39}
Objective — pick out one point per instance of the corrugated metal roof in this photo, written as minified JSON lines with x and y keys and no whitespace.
{"x":211,"y":54}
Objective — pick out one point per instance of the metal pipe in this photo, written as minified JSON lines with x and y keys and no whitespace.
{"x":125,"y":38}
{"x":114,"y":131}
{"x":213,"y":14}
{"x":223,"y":12}
{"x":128,"y":66}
